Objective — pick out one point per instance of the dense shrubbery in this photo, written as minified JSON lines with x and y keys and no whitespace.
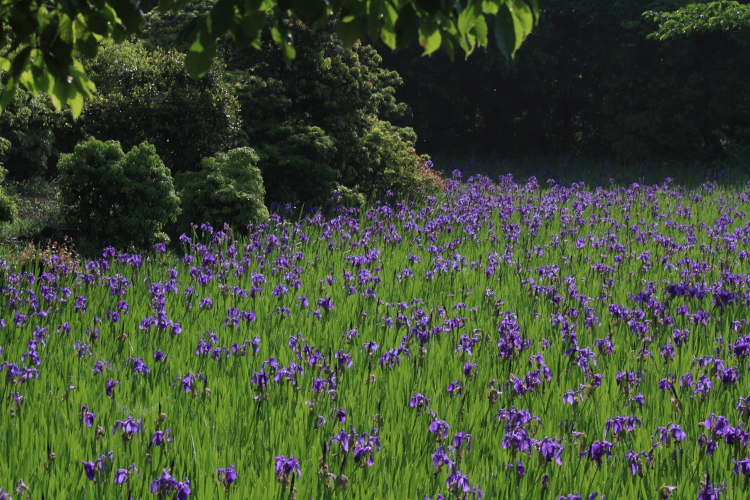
{"x":26,"y":125}
{"x":326,"y":118}
{"x":8,"y":210}
{"x":147,"y":96}
{"x":113,"y":198}
{"x":227,"y":189}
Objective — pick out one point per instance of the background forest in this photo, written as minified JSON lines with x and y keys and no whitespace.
{"x":360,"y":122}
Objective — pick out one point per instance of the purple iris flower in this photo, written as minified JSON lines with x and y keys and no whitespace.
{"x":634,"y":461}
{"x":99,"y":367}
{"x":164,"y":485}
{"x":343,"y":358}
{"x":454,"y":388}
{"x":708,"y":492}
{"x":598,"y":450}
{"x":286,"y":467}
{"x":457,"y":483}
{"x":188,"y":381}
{"x":343,"y":439}
{"x":17,"y":398}
{"x":639,"y":399}
{"x":440,"y":428}
{"x":326,"y":303}
{"x":341,"y":415}
{"x":122,"y":475}
{"x":460,"y":438}
{"x":551,"y":450}
{"x":226,"y":476}
{"x":109,"y":386}
{"x":470,"y":369}
{"x":138,"y":365}
{"x":370,"y":347}
{"x":160,"y":436}
{"x":419,"y":401}
{"x":129,"y":426}
{"x":741,"y":466}
{"x":90,"y":469}
{"x":87,"y":417}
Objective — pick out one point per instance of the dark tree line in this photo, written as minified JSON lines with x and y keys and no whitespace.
{"x":586,"y":82}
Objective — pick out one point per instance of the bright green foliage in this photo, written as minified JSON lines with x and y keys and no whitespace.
{"x":391,"y":163}
{"x":114,"y":198}
{"x":27,"y":126}
{"x":700,"y":18}
{"x":50,"y":36}
{"x":227,"y":189}
{"x":8,"y":209}
{"x":148,"y":96}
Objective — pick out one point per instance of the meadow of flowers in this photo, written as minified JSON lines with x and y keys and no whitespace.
{"x":505,"y":340}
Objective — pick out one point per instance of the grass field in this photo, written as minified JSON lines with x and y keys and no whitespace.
{"x":530,"y":340}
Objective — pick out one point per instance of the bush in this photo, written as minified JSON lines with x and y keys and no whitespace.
{"x":26,"y":125}
{"x":390,"y":163}
{"x":227,"y":189}
{"x":8,"y":209}
{"x":114,"y":198}
{"x":293,"y":156}
{"x":307,"y":121}
{"x":148,"y":96}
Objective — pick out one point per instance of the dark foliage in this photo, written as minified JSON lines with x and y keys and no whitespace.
{"x":586,"y":82}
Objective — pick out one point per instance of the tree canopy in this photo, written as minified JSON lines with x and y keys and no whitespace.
{"x":700,"y":18}
{"x":44,"y":39}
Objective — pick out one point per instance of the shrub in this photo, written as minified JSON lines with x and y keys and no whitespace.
{"x":390,"y":163}
{"x":26,"y":125}
{"x":227,"y":189}
{"x":148,"y":96}
{"x":8,"y":209}
{"x":308,"y":121}
{"x":114,"y":198}
{"x":296,"y":164}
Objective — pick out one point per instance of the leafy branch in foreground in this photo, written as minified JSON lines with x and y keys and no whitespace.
{"x":44,"y":40}
{"x":700,"y":18}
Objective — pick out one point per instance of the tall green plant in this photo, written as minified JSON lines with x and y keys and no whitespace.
{"x":227,"y":189}
{"x":119,"y":199}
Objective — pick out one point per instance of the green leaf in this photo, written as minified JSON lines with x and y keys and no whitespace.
{"x":523,"y":19}
{"x":88,"y":46}
{"x":247,"y":32}
{"x":491,"y":6}
{"x":480,"y":29}
{"x":430,"y":6}
{"x":388,"y":30}
{"x":406,"y":27}
{"x":309,"y":11}
{"x":505,"y":32}
{"x":466,"y":19}
{"x":76,"y":104}
{"x":429,"y":36}
{"x":201,"y":54}
{"x":130,"y":15}
{"x":284,"y":40}
{"x":350,"y":32}
{"x":535,"y":10}
{"x":221,"y":17}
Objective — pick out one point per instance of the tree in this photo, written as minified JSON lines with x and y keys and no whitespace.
{"x":45,"y":39}
{"x":700,"y":18}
